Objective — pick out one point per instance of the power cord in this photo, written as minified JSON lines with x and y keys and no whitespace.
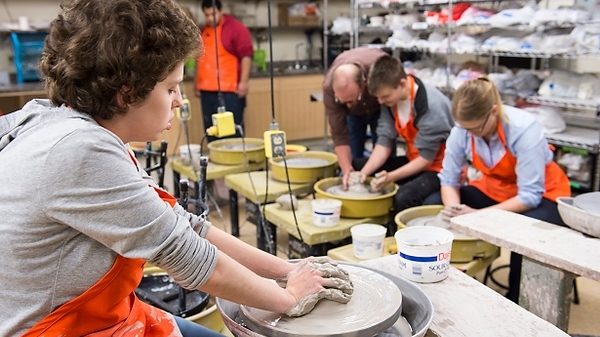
{"x":287,"y":176}
{"x":261,"y":214}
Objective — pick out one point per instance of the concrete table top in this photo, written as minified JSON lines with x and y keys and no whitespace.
{"x":463,"y":307}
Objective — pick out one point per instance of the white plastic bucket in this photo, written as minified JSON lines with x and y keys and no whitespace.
{"x":184,"y":154}
{"x":326,"y":212}
{"x":367,"y":240}
{"x":424,"y":253}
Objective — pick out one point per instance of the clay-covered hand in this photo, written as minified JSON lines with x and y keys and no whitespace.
{"x":352,"y":178}
{"x":308,"y":303}
{"x":326,"y":266}
{"x":451,"y":211}
{"x":378,"y":183}
{"x":335,"y":285}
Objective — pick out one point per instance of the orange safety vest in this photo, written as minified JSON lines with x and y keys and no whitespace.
{"x":110,"y":307}
{"x":206,"y":69}
{"x":409,"y":133}
{"x":500,"y":182}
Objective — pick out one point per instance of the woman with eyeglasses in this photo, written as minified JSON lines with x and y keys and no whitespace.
{"x":508,"y":148}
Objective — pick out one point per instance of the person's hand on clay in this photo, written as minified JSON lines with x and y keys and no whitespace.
{"x":322,"y":263}
{"x":335,"y":284}
{"x":351,"y":178}
{"x":379,"y":182}
{"x":451,"y":211}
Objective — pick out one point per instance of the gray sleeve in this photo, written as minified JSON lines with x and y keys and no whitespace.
{"x":386,"y":131}
{"x":103,"y":196}
{"x":434,"y":126}
{"x":199,"y":222}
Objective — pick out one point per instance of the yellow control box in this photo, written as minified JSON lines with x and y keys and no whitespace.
{"x":274,"y":143}
{"x":223,"y":125}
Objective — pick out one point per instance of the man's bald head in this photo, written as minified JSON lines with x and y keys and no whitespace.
{"x":347,"y":82}
{"x":345,"y":74}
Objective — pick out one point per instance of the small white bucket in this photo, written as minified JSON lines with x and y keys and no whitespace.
{"x":184,"y":154}
{"x":326,"y":212}
{"x":424,"y":253}
{"x":367,"y":240}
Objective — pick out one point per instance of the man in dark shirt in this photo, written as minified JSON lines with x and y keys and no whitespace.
{"x":349,"y":106}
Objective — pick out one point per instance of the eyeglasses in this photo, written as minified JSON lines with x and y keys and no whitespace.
{"x":477,"y":129}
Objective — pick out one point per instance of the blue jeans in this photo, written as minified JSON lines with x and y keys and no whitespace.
{"x":233,"y":103}
{"x":191,"y":329}
{"x":357,"y":130}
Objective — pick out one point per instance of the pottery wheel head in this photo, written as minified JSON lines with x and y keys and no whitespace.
{"x":375,"y":306}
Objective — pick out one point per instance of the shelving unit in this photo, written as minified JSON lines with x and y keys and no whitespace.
{"x":582,"y":116}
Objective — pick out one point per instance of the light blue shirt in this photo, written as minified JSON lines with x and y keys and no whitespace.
{"x":525,"y":140}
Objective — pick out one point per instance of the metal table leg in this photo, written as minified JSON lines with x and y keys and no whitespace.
{"x":234,"y":213}
{"x":176,"y":178}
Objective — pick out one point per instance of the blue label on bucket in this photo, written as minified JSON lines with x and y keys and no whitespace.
{"x":418,"y":258}
{"x":323,"y":213}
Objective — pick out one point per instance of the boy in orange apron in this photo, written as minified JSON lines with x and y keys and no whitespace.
{"x":79,"y":220}
{"x":419,"y":115}
{"x":508,"y":149}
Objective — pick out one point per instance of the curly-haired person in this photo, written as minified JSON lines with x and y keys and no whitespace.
{"x":80,"y":219}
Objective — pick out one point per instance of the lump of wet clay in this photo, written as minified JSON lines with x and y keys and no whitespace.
{"x":338,"y":288}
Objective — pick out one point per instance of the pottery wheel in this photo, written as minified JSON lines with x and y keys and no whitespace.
{"x":355,"y":190}
{"x":307,"y":162}
{"x":239,"y":147}
{"x":375,"y":306}
{"x":435,"y":220}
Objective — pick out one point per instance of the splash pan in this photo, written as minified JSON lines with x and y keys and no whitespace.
{"x":235,"y":151}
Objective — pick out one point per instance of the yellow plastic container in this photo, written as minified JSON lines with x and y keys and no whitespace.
{"x":304,"y":174}
{"x":464,"y":248}
{"x":221,"y":151}
{"x":209,"y":317}
{"x":356,"y":207}
{"x":295,"y":148}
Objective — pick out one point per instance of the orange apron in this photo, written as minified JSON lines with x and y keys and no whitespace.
{"x":500,"y":182}
{"x":409,"y":133}
{"x":110,"y":307}
{"x":206,"y":69}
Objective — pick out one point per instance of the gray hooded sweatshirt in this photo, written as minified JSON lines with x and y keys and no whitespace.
{"x":71,"y":200}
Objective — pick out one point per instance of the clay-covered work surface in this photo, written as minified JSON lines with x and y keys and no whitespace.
{"x":354,"y":190}
{"x":307,"y":162}
{"x":376,"y":305}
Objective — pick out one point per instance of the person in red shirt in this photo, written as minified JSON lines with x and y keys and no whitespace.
{"x":234,"y":47}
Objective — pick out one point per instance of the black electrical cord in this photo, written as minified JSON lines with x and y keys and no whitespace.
{"x":267,"y":234}
{"x":271,"y":75}
{"x":269,"y":29}
{"x":287,"y":176}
